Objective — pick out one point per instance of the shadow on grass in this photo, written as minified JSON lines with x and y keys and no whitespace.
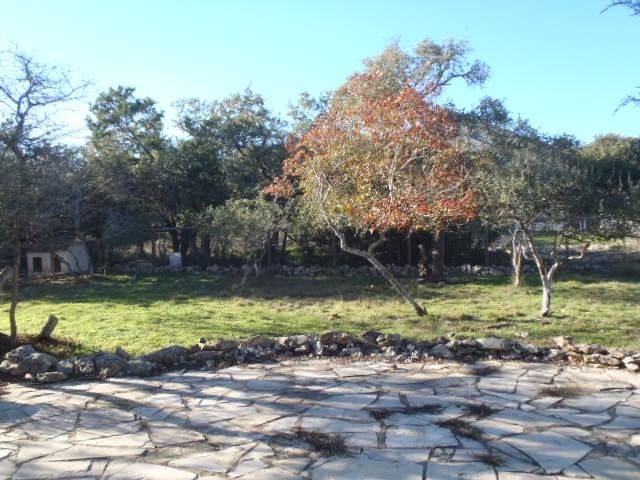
{"x":181,"y":288}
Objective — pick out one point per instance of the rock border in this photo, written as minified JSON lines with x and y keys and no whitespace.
{"x":27,"y":363}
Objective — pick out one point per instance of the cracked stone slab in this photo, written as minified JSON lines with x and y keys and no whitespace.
{"x":552,"y":451}
{"x":44,"y":470}
{"x":128,"y":470}
{"x":608,"y":468}
{"x":420,"y":437}
{"x":361,"y":467}
{"x":460,"y":471}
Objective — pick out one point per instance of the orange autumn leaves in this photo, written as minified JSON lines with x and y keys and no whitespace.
{"x":381,"y":159}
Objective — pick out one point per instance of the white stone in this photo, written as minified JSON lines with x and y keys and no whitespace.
{"x":420,"y":437}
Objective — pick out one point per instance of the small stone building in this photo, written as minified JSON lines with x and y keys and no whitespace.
{"x":71,"y":258}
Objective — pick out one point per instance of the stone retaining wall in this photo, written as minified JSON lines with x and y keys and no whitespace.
{"x":27,"y":363}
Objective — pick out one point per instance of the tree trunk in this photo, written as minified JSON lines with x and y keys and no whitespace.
{"x":185,"y":240}
{"x":15,"y":278}
{"x":437,"y":256}
{"x":546,"y":274}
{"x":485,"y":238}
{"x":175,"y":239}
{"x":409,"y":249}
{"x":206,"y":250}
{"x":268,"y":249}
{"x":423,"y":268}
{"x":283,"y":248}
{"x":547,"y":285}
{"x":518,"y":277}
{"x":517,"y":258}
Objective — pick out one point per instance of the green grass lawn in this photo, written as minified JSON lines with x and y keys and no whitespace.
{"x":149,"y":312}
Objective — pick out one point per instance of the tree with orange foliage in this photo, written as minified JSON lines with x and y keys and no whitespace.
{"x":385,"y":156}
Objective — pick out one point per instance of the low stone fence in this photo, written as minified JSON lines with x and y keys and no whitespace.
{"x":596,"y":261}
{"x":28,"y":364}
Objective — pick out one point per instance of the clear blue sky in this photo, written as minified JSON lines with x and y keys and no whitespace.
{"x":559,"y":63}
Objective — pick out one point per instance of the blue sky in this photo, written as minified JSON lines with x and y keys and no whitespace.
{"x":559,"y":63}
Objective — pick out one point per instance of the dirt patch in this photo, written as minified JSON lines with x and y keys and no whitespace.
{"x":58,"y":347}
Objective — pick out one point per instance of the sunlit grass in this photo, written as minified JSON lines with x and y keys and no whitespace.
{"x":149,"y":312}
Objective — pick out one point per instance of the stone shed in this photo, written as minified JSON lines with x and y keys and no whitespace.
{"x":64,"y":259}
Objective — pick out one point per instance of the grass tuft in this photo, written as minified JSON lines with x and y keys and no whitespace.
{"x":565,"y":391}
{"x":480,"y":410}
{"x":490,"y":458}
{"x":431,"y":409}
{"x":382,"y":413}
{"x":328,"y":444}
{"x":462,"y":428}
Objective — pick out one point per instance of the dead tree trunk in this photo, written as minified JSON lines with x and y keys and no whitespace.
{"x":384,"y":271}
{"x":49,"y":327}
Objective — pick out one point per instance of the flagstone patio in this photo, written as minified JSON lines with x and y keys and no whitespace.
{"x":323,"y":419}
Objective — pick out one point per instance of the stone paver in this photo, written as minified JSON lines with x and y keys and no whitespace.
{"x":321,"y":420}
